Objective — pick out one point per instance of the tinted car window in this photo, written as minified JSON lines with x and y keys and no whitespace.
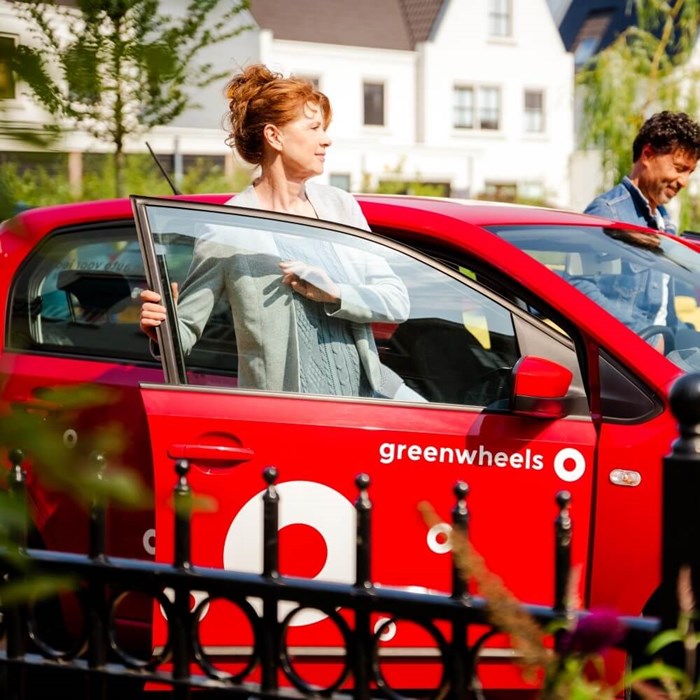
{"x":454,"y":344}
{"x":78,"y":294}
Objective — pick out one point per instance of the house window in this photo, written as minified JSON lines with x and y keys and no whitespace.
{"x":500,"y":18}
{"x":500,"y":191}
{"x":476,"y":108}
{"x":489,"y":108}
{"x":7,"y":78}
{"x":374,"y":104}
{"x":341,"y":181}
{"x":534,"y":111}
{"x":463,"y":108}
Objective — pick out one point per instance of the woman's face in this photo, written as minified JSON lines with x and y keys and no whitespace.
{"x":303,"y":143}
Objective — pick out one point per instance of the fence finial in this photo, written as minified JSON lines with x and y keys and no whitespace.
{"x":460,"y":528}
{"x":98,"y":513}
{"x":271,"y":502}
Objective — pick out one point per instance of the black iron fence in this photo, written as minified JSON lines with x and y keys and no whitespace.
{"x":183,"y":665}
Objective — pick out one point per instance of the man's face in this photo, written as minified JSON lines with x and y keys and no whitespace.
{"x":664,"y":175}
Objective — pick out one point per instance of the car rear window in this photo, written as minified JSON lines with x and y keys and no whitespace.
{"x":77,"y":294}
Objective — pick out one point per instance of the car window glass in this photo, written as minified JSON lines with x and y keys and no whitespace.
{"x":445,"y":341}
{"x":78,"y":295}
{"x":647,"y":281}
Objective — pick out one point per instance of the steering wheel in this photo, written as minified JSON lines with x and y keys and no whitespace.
{"x":667,"y":333}
{"x":491,"y":387}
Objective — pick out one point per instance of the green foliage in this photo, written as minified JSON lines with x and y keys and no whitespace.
{"x":42,"y":181}
{"x":403,"y":185}
{"x":72,"y":466}
{"x":38,"y":186}
{"x":123,"y":66}
{"x":30,"y":71}
{"x":84,"y":470}
{"x":644,"y":70}
{"x":412,"y":187}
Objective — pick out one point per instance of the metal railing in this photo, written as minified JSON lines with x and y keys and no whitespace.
{"x":183,"y":663}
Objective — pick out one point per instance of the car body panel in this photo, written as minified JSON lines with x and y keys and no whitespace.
{"x":322,"y":443}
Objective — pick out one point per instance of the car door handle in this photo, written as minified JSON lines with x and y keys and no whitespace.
{"x":221,"y":454}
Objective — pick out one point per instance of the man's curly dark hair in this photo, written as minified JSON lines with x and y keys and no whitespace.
{"x":666,"y":132}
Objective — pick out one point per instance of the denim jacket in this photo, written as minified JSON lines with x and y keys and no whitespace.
{"x":625,"y":202}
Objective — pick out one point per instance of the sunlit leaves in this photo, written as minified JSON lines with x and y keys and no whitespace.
{"x":70,"y":444}
{"x":124,"y":65}
{"x":646,"y":69}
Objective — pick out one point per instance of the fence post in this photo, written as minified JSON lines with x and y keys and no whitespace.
{"x":681,"y":499}
{"x":15,"y":616}
{"x":562,"y":561}
{"x":562,"y":553}
{"x":463,"y":662}
{"x":181,"y":627}
{"x":363,"y":582}
{"x":97,"y":644}
{"x":269,"y":649}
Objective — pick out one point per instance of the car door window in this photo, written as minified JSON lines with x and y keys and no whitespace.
{"x":429,"y":326}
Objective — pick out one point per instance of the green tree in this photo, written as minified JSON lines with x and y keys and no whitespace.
{"x":646,"y":69}
{"x":24,"y":66}
{"x":122,"y":67}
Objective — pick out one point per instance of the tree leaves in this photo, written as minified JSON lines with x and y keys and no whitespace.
{"x":124,"y":66}
{"x":646,"y":69}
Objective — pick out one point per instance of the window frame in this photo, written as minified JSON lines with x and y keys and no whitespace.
{"x":463,"y":107}
{"x":534,"y":117}
{"x":368,"y":115}
{"x":520,"y":318}
{"x":482,"y":113}
{"x":500,"y":19}
{"x":484,"y":110}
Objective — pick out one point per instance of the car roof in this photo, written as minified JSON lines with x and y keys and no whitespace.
{"x":388,"y":210}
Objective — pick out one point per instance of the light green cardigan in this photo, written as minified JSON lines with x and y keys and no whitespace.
{"x":248,"y":275}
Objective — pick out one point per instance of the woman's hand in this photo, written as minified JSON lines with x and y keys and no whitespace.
{"x":310,"y":281}
{"x":153,"y":313}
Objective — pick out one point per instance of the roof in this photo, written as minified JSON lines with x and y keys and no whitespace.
{"x":588,"y":26}
{"x":383,"y":24}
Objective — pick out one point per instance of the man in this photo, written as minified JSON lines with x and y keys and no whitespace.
{"x":664,"y":153}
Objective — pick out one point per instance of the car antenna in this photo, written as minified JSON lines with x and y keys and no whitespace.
{"x":162,"y":170}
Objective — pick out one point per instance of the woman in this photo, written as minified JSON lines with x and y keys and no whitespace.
{"x":315,"y":337}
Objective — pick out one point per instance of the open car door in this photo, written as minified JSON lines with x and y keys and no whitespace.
{"x":480,"y":409}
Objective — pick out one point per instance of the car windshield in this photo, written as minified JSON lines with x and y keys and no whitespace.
{"x":648,"y":281}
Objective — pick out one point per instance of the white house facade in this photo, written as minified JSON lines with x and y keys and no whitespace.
{"x":475,"y":96}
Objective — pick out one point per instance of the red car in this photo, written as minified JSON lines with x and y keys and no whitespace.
{"x":539,"y":347}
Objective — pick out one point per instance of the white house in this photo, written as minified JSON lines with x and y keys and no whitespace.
{"x":473,"y":95}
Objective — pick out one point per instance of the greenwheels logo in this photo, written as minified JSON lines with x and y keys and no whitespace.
{"x":569,"y":464}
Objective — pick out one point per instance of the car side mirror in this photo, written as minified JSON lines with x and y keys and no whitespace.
{"x":540,"y":388}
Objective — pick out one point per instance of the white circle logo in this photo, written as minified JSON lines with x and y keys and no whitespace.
{"x":301,"y":503}
{"x":569,"y":464}
{"x":149,"y":541}
{"x":438,"y":538}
